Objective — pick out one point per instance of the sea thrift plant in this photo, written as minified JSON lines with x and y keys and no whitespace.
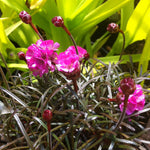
{"x":136,"y":100}
{"x":41,"y":57}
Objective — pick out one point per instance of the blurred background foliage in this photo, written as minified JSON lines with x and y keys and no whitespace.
{"x":82,"y":17}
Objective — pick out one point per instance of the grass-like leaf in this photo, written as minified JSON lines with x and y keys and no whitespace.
{"x":16,"y":98}
{"x":23,"y":130}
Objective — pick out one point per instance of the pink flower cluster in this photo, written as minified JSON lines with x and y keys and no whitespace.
{"x":42,"y":57}
{"x":136,"y":101}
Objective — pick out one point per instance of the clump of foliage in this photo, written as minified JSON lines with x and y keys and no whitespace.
{"x":82,"y":120}
{"x":69,"y":101}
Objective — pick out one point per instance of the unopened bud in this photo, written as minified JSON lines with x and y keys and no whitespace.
{"x":25,"y":17}
{"x":21,"y":56}
{"x":127,"y":86}
{"x":58,"y":21}
{"x":113,"y":28}
{"x":86,"y":56}
{"x":120,"y":97}
{"x":47,"y":115}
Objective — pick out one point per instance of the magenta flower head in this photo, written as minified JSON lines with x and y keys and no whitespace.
{"x":47,"y":115}
{"x":58,"y":21}
{"x":83,"y":54}
{"x":21,"y":56}
{"x":127,"y":85}
{"x":113,"y":28}
{"x":25,"y":17}
{"x":41,"y":57}
{"x":136,"y":100}
{"x":69,"y":65}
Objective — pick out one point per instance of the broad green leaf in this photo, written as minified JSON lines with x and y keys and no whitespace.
{"x":145,"y":56}
{"x":24,"y":36}
{"x":125,"y":59}
{"x":18,"y":5}
{"x":80,"y":12}
{"x":36,"y":4}
{"x":17,"y":66}
{"x":4,"y":41}
{"x":137,"y":26}
{"x":66,"y":8}
{"x":99,"y":43}
{"x":11,"y":28}
{"x":99,"y":14}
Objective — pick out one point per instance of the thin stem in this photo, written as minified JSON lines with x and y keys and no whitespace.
{"x":122,"y":114}
{"x":49,"y":135}
{"x":75,"y":85}
{"x":50,"y":141}
{"x":74,"y":43}
{"x":36,"y":30}
{"x":4,"y":78}
{"x":123,"y":44}
{"x":76,"y":90}
{"x":71,"y":131}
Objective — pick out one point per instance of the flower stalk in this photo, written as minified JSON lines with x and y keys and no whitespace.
{"x":26,"y":18}
{"x":114,"y":28}
{"x":122,"y":114}
{"x":59,"y":22}
{"x":127,"y":87}
{"x":47,"y":116}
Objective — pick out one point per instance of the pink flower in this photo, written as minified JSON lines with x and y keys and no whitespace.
{"x":68,"y":62}
{"x":69,"y":65}
{"x":83,"y":54}
{"x":41,"y":57}
{"x":136,"y":101}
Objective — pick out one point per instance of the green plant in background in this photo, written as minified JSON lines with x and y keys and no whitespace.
{"x":135,"y":28}
{"x":81,"y":18}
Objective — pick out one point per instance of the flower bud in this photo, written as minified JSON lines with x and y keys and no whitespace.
{"x":113,"y":28}
{"x":86,"y":56}
{"x":47,"y":115}
{"x":127,"y":86}
{"x":120,"y":97}
{"x":21,"y":56}
{"x":25,"y":17}
{"x":58,"y":21}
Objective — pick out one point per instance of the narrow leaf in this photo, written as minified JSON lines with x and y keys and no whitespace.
{"x":23,"y":130}
{"x":15,"y":97}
